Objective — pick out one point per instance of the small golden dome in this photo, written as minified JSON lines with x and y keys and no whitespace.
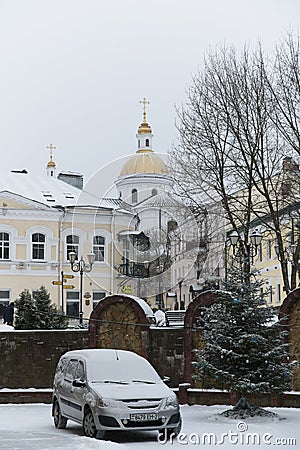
{"x":144,"y":161}
{"x":144,"y":128}
{"x":51,"y":163}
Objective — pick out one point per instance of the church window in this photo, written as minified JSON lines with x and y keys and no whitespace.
{"x":4,"y":246}
{"x":72,"y":244}
{"x":134,"y":196}
{"x":139,"y":143}
{"x":99,"y":248}
{"x":147,"y":142}
{"x":38,"y":246}
{"x":154,"y":192}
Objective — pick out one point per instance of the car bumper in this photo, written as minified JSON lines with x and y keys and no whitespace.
{"x":120,"y":421}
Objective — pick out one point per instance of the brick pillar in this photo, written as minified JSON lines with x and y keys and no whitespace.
{"x":183,"y":393}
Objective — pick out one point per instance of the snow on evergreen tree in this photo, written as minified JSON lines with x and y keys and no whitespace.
{"x":47,"y":315}
{"x":38,"y":312}
{"x":244,"y":349}
{"x":25,"y":311}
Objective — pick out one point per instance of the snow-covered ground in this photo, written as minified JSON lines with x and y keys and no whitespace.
{"x":31,"y":427}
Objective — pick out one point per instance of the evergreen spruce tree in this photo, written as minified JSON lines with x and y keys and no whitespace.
{"x":25,"y":312}
{"x":43,"y":308}
{"x":48,"y":316}
{"x":244,"y":349}
{"x":38,"y":312}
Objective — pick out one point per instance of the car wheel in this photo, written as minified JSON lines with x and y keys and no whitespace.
{"x":59,"y":420}
{"x":89,"y":427}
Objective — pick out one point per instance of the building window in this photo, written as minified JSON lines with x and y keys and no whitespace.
{"x":259,"y":253}
{"x":269,"y":249}
{"x":72,"y":244}
{"x":147,"y":142}
{"x":99,"y":248}
{"x":97,"y":296}
{"x":4,"y":246}
{"x":270,"y":296}
{"x":278,"y":293}
{"x":134,"y":196}
{"x":38,"y":246}
{"x":154,"y":192}
{"x":73,"y":304}
{"x":139,"y":143}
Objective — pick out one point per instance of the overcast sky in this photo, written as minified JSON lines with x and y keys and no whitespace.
{"x":73,"y":71}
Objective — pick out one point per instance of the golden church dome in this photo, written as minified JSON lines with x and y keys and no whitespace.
{"x":144,"y":128}
{"x":51,"y":163}
{"x":144,"y":161}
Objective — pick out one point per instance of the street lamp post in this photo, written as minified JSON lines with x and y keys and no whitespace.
{"x":244,"y":249}
{"x":81,"y":266}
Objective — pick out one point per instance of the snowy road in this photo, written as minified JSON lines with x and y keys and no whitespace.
{"x":25,"y":427}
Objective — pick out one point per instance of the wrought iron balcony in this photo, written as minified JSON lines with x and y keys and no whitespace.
{"x":133,"y":269}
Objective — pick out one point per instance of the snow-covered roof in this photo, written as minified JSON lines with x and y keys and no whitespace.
{"x":163,"y":199}
{"x":52,"y":191}
{"x":144,"y":305}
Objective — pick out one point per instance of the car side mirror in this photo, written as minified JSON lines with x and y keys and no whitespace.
{"x":78,"y":383}
{"x":166,"y":380}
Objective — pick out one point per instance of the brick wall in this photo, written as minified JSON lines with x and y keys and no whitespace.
{"x":28,"y":358}
{"x":166,"y":353}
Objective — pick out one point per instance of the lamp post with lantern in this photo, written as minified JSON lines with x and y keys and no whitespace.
{"x":245,"y":249}
{"x":81,"y":266}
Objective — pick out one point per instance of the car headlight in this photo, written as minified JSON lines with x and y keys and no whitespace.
{"x":171,"y":402}
{"x":102,"y":403}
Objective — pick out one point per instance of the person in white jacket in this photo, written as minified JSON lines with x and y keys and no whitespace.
{"x":160,"y":317}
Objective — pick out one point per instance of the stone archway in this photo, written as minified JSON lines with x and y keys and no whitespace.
{"x":120,"y":321}
{"x":192,"y":331}
{"x":289,"y":314}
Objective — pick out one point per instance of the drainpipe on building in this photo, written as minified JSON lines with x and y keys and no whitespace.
{"x":60,"y":255}
{"x":112,"y":253}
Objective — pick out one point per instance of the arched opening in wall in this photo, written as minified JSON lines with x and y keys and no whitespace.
{"x":147,"y":142}
{"x":134,"y":196}
{"x":139,"y":143}
{"x":121,"y":322}
{"x":154,"y":192}
{"x":120,"y":194}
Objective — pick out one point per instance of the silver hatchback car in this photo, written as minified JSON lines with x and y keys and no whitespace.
{"x":108,"y":389}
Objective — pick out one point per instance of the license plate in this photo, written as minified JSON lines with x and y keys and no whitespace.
{"x":143,"y":417}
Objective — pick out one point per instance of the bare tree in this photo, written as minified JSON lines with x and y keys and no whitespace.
{"x":231,"y":151}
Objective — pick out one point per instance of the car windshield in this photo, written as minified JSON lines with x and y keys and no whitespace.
{"x":122,"y":372}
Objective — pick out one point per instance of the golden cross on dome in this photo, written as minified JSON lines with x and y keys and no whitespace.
{"x":51,"y":147}
{"x":144,"y":102}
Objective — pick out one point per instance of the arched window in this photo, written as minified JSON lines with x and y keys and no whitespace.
{"x":99,"y":248}
{"x":134,"y":196}
{"x":38,"y":246}
{"x":72,"y":242}
{"x":4,"y":246}
{"x":139,"y":143}
{"x":147,"y":142}
{"x":154,"y":192}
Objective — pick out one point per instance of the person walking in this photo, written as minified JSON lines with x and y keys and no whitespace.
{"x":8,"y":316}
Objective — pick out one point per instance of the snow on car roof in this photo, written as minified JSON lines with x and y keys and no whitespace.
{"x":106,"y":354}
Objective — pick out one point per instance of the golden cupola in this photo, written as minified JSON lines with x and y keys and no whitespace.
{"x":145,"y":161}
{"x":51,"y":166}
